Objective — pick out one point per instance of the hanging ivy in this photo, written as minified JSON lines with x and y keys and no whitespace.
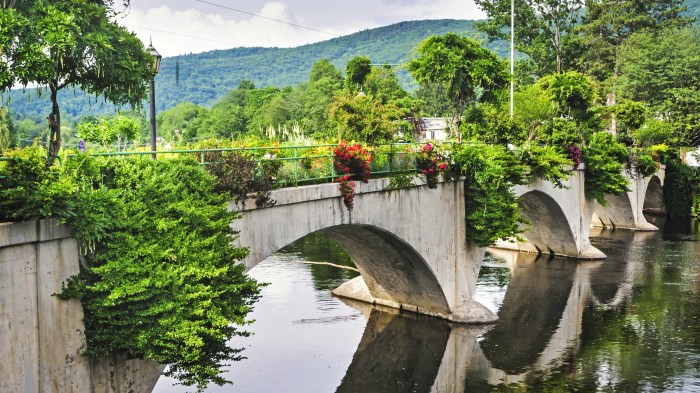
{"x":491,"y":206}
{"x":605,"y":162}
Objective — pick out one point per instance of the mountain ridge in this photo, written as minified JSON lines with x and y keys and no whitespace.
{"x":206,"y":77}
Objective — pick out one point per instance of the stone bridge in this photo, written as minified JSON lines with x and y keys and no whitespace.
{"x":409,"y":244}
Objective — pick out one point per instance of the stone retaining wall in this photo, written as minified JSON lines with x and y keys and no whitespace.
{"x":42,"y":336}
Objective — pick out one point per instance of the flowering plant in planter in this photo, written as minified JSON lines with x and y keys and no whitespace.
{"x":575,"y":154}
{"x":351,"y":162}
{"x":430,"y":162}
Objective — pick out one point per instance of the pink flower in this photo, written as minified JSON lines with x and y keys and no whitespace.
{"x":346,"y":177}
{"x":443,"y":166}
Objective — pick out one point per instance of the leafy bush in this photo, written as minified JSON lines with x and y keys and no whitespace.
{"x":491,"y":206}
{"x":548,"y":163}
{"x":681,"y":189}
{"x":604,"y":159}
{"x":560,"y":132}
{"x":160,"y":279}
{"x":645,"y":165}
{"x":243,"y":176}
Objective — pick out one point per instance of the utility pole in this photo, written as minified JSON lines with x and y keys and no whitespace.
{"x":512,"y":54}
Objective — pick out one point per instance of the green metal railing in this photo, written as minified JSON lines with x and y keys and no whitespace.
{"x":301,"y":164}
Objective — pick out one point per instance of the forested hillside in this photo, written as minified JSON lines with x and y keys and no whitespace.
{"x":204,"y":78}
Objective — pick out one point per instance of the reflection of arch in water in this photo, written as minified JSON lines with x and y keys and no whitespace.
{"x":539,"y":321}
{"x":397,"y":354}
{"x":549,"y":229}
{"x":400,"y":351}
{"x":612,"y":282}
{"x":535,"y":300}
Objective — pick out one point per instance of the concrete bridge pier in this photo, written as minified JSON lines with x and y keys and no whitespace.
{"x":627,"y":211}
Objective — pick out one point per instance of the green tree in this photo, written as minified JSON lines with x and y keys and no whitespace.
{"x":71,"y":43}
{"x":383,"y":84}
{"x":183,"y":119}
{"x":325,"y":82}
{"x":224,"y":119}
{"x":5,"y":130}
{"x":468,"y":72}
{"x":356,"y":71}
{"x":532,"y":109}
{"x":363,"y":118}
{"x":657,"y":70}
{"x":607,"y":24}
{"x":109,"y":130}
{"x":28,"y":129}
{"x":543,"y":29}
{"x":324,"y":69}
{"x":435,"y":101}
{"x":570,"y":93}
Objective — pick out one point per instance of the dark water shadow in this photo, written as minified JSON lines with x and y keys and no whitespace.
{"x":397,"y":353}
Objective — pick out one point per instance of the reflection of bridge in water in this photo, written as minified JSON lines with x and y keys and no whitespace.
{"x":539,"y":329}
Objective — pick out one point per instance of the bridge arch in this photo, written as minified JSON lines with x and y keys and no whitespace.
{"x":560,"y":217}
{"x":409,"y":244}
{"x":391,"y":268}
{"x":626,"y":211}
{"x":548,"y":227}
{"x":654,"y":195}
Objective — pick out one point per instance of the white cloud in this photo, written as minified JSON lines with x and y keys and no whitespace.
{"x":202,"y":27}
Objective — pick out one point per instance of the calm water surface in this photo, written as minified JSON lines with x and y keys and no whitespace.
{"x":630,"y":323}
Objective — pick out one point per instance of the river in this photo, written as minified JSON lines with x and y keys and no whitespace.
{"x":630,"y":323}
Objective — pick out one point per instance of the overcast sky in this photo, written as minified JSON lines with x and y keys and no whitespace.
{"x":193,"y":26}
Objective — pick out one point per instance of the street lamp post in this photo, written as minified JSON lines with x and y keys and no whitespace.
{"x":156,"y":66}
{"x":512,"y":54}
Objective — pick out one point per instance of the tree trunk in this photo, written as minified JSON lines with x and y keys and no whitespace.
{"x":54,"y":126}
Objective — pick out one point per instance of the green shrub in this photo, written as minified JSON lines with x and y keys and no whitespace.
{"x":160,"y":279}
{"x":491,"y":206}
{"x":645,"y":165}
{"x":604,"y":159}
{"x":548,"y":163}
{"x":681,"y":189}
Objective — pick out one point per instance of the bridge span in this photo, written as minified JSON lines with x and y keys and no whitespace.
{"x":410,"y":244}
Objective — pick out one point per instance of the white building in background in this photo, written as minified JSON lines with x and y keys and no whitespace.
{"x":436,"y":128}
{"x":692,"y":157}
